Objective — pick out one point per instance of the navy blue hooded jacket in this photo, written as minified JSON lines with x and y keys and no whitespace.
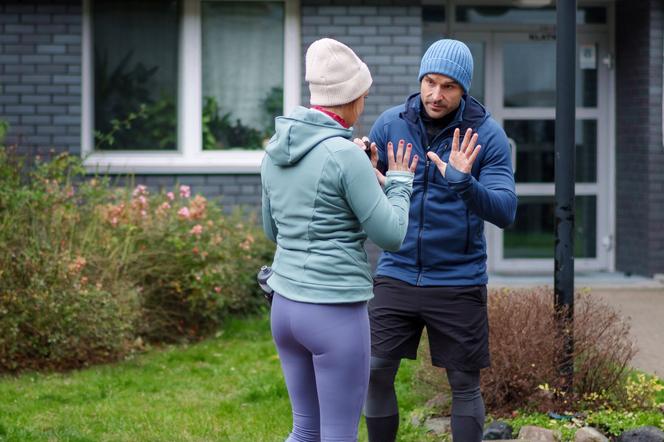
{"x":445,"y":243}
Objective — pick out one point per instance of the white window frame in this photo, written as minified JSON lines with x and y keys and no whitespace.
{"x":190,"y":156}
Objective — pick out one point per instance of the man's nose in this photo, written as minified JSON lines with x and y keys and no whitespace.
{"x":438,"y":93}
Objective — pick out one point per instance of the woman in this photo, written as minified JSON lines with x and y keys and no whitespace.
{"x":321,"y":200}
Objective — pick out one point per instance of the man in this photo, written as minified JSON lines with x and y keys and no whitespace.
{"x":438,"y":278}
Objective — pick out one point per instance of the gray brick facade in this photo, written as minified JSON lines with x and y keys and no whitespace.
{"x":385,"y":34}
{"x":230,"y":190}
{"x":40,"y":96}
{"x":639,"y":147}
{"x":40,"y":65}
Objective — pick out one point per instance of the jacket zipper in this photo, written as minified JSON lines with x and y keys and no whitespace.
{"x":421,"y":226}
{"x":465,"y":252}
{"x":424,"y":197}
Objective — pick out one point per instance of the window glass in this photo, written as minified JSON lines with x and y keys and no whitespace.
{"x":535,"y":150}
{"x":536,"y":87}
{"x":511,"y":15}
{"x":532,"y":234}
{"x":433,"y":25}
{"x":243,"y":52}
{"x":135,"y":74}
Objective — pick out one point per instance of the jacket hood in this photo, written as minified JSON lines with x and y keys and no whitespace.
{"x":298,"y":133}
{"x":470,"y":111}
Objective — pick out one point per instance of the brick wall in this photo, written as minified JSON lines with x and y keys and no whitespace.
{"x":230,"y":190}
{"x":386,"y":37}
{"x":40,"y":67}
{"x":639,"y":150}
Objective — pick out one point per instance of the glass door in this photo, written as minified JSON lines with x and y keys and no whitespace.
{"x":519,"y":90}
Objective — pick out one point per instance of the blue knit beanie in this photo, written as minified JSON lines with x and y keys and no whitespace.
{"x":451,"y":58}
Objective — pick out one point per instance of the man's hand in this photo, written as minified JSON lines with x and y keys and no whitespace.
{"x":461,"y":158}
{"x":370,"y":148}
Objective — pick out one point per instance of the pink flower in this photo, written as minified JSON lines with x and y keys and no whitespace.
{"x":185,"y":191}
{"x":217,"y":289}
{"x":140,"y":190}
{"x":114,"y":221}
{"x":170,"y":196}
{"x":165,"y":206}
{"x":196,"y":230}
{"x":144,"y":214}
{"x":184,"y":213}
{"x":143,"y":200}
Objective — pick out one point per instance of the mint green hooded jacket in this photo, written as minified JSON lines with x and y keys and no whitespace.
{"x":321,"y":200}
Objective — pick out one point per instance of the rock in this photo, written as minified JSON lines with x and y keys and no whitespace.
{"x":441,"y":401}
{"x":589,"y":434}
{"x":642,"y":434}
{"x":533,"y":433}
{"x":497,"y":430}
{"x":438,"y":425}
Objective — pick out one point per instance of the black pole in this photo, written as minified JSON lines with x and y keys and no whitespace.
{"x":564,"y":183}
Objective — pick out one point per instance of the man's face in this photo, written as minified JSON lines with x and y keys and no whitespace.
{"x":440,"y":95}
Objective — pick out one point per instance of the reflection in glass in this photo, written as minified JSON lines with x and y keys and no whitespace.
{"x":532,"y":234}
{"x":433,"y":25}
{"x":544,"y":16}
{"x":243,"y":53}
{"x":477,"y":86}
{"x":135,"y":74}
{"x":536,"y":86}
{"x":535,"y":150}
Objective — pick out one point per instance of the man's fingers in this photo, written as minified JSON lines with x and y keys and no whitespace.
{"x":359,"y":142}
{"x":466,"y":139}
{"x":471,"y":145}
{"x":473,"y":155}
{"x":455,"y":140}
{"x":440,"y":164}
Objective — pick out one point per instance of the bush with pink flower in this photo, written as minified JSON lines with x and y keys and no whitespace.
{"x":86,"y":269}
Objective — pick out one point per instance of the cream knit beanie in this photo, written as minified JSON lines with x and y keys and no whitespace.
{"x":335,"y":74}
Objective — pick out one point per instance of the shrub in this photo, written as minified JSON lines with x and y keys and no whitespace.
{"x":87,"y":268}
{"x":525,"y":346}
{"x":58,"y":307}
{"x":192,"y":264}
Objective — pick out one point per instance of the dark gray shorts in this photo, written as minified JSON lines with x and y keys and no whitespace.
{"x":455,"y":317}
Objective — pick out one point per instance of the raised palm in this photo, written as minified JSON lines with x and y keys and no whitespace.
{"x":462,"y":155}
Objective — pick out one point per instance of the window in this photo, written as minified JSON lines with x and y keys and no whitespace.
{"x":135,"y":74}
{"x":241,"y":40}
{"x":514,"y":15}
{"x":183,"y":86}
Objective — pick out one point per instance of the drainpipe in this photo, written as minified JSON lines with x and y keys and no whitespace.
{"x":564,"y":184}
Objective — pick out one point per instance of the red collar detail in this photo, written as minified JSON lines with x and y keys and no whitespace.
{"x":332,"y":115}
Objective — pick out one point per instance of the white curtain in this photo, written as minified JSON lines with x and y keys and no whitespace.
{"x":243,"y":52}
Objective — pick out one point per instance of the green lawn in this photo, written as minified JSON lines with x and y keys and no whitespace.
{"x":228,"y":388}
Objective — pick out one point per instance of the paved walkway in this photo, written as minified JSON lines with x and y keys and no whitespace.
{"x":639,"y":300}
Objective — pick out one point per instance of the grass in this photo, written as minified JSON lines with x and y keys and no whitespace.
{"x":228,"y":388}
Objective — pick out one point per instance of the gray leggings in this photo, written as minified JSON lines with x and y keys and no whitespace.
{"x":324,"y":351}
{"x":467,"y":405}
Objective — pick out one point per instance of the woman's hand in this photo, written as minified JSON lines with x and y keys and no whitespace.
{"x":369,"y":148}
{"x":399,"y":162}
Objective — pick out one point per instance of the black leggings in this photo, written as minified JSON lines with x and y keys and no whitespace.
{"x":467,"y":404}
